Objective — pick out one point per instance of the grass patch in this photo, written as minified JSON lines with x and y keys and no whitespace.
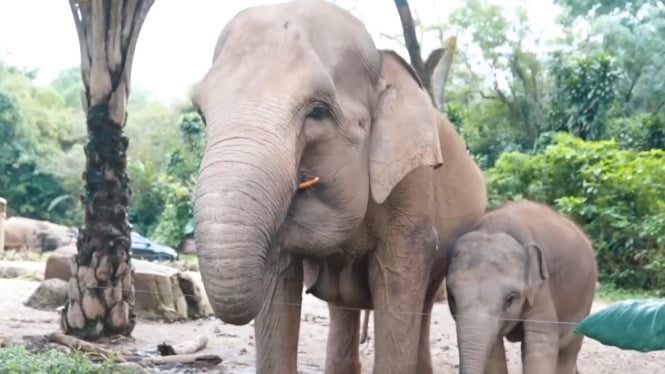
{"x":189,"y":258}
{"x":609,"y":293}
{"x":12,"y":255}
{"x":16,"y":360}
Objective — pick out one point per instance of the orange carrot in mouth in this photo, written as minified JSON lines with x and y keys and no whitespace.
{"x":308,"y":183}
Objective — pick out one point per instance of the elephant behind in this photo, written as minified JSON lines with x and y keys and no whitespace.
{"x":526,"y":273}
{"x":29,"y":233}
{"x":325,"y":156}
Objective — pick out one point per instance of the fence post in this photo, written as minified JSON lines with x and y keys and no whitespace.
{"x":3,"y":210}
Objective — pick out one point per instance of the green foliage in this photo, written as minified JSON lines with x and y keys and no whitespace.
{"x":583,"y":94}
{"x":17,"y":360}
{"x":599,"y":7}
{"x":176,"y":187}
{"x":30,"y":177}
{"x":641,"y":132}
{"x":615,"y":194}
{"x":637,"y":42}
{"x":608,"y":293}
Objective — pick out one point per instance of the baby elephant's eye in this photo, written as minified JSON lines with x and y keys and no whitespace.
{"x":319,"y":111}
{"x":508,"y":301}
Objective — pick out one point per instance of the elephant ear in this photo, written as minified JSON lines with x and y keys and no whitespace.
{"x":537,"y":271}
{"x":404,"y":134}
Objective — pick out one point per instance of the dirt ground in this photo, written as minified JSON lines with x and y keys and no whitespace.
{"x":236,"y":344}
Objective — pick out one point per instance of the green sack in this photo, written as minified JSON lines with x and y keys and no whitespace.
{"x":637,"y":325}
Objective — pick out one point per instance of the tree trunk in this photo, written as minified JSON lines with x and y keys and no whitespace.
{"x":433,"y":72}
{"x":101,"y":291}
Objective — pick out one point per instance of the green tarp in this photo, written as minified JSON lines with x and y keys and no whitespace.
{"x":637,"y":325}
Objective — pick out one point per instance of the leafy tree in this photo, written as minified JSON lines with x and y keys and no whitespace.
{"x":579,"y":8}
{"x":637,"y":42}
{"x":583,"y":94}
{"x":30,"y":177}
{"x":500,"y":83}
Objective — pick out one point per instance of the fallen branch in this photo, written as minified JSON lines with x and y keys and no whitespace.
{"x":196,"y":359}
{"x":185,"y":348}
{"x":76,"y":343}
{"x":184,"y":352}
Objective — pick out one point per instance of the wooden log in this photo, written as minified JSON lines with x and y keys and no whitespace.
{"x":184,"y":348}
{"x":197,"y":359}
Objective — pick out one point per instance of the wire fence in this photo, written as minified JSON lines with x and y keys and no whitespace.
{"x":21,"y":292}
{"x":237,"y":343}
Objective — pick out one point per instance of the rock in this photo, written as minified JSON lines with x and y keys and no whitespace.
{"x":162,"y":292}
{"x":12,"y":272}
{"x":58,"y":264}
{"x":158,"y":293}
{"x":26,"y":270}
{"x":197,"y":301}
{"x":51,"y":294}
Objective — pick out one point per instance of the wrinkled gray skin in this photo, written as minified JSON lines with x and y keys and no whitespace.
{"x":299,"y":90}
{"x":522,"y":261}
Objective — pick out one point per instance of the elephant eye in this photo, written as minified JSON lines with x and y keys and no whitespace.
{"x":508,"y":301}
{"x":318,"y":111}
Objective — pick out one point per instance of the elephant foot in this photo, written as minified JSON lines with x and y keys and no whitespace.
{"x":353,"y":368}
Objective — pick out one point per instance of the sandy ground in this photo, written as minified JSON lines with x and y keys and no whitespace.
{"x":236,"y":344}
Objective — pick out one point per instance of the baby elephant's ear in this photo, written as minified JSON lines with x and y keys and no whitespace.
{"x":537,"y":271}
{"x":405,"y":132}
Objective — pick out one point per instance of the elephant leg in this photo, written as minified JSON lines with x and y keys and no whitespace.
{"x":496,"y":364}
{"x":277,"y":326}
{"x":540,"y":348}
{"x":342,"y":348}
{"x":398,"y":274}
{"x":568,"y":356}
{"x":424,"y":349}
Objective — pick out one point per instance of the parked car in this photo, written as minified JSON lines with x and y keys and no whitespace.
{"x":145,"y":249}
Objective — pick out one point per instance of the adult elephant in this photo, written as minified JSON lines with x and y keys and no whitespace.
{"x":298,"y":91}
{"x":28,"y":233}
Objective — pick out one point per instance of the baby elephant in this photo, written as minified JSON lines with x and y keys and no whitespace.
{"x":526,"y":273}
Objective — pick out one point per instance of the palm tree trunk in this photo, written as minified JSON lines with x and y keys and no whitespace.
{"x":101,"y":291}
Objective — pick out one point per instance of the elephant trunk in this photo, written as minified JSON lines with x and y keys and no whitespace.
{"x":475,"y":339}
{"x":243,"y":192}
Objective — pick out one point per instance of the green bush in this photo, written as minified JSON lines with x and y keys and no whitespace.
{"x":16,"y":360}
{"x":615,"y":194}
{"x":641,"y":132}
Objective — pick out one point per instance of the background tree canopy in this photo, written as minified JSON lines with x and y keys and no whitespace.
{"x":579,"y":125}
